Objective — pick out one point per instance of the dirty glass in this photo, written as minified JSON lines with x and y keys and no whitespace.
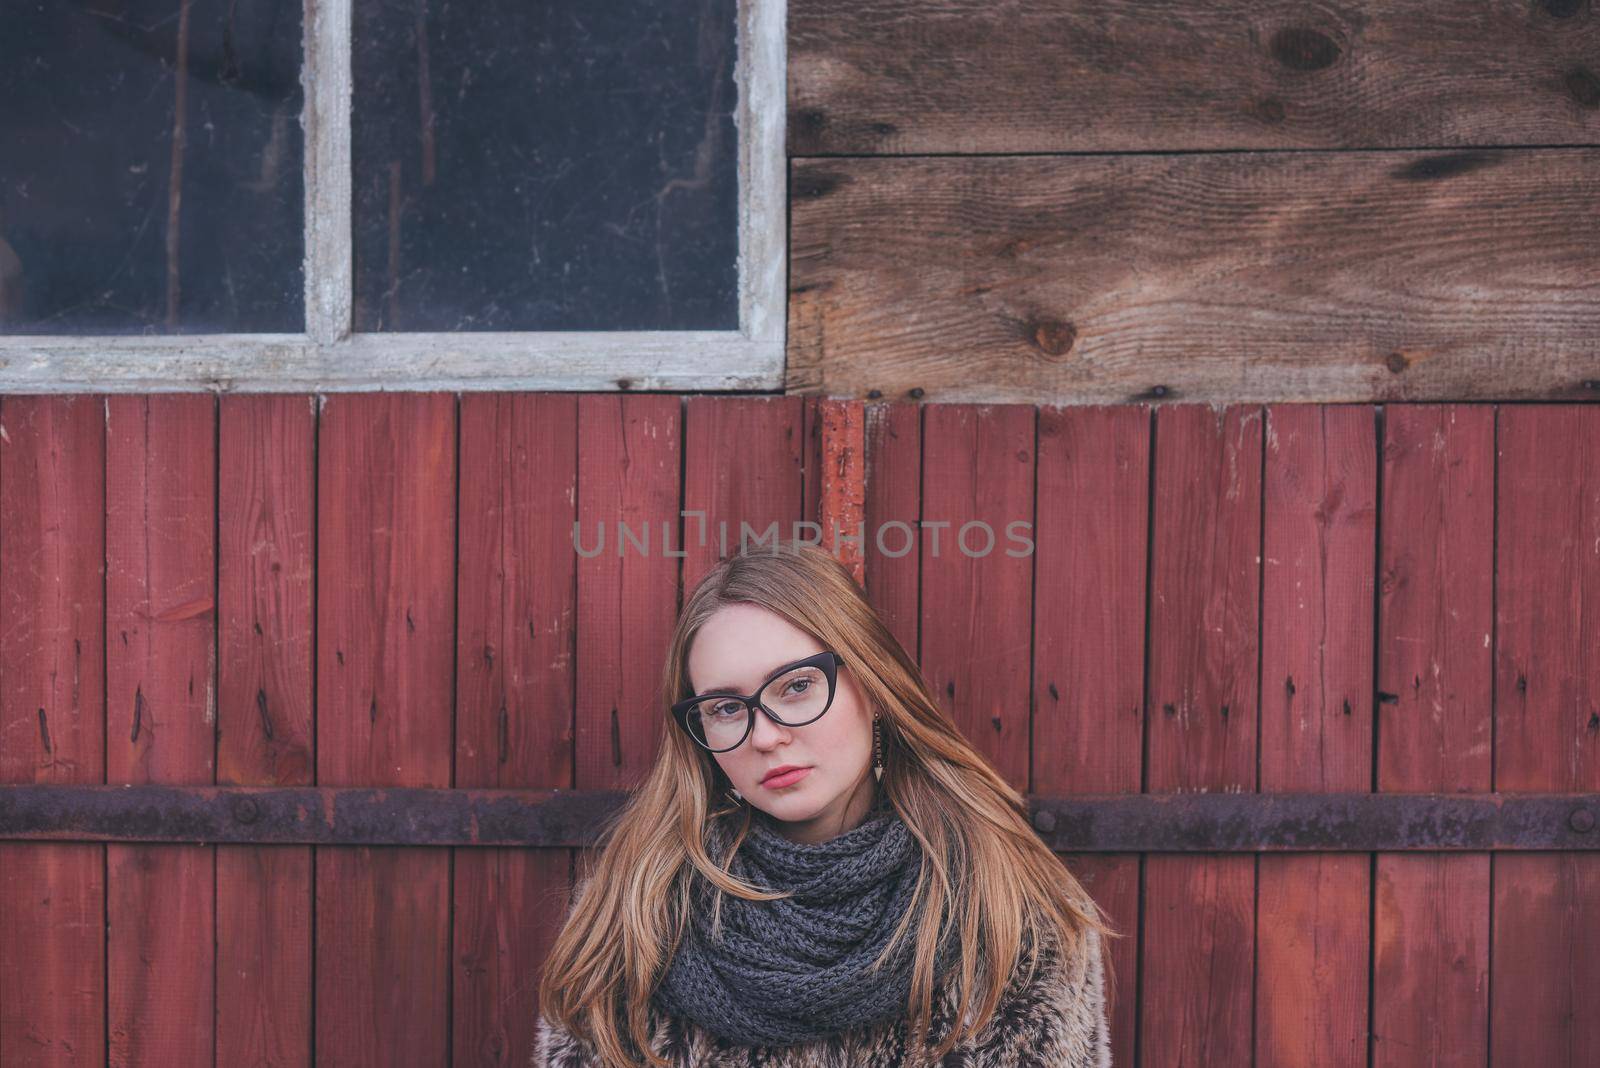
{"x":560,"y":165}
{"x":150,"y":167}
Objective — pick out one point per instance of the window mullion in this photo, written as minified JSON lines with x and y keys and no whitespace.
{"x":326,"y":77}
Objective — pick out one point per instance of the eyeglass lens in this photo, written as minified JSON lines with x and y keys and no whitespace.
{"x":796,"y":698}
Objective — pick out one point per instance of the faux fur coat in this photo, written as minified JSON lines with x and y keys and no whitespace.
{"x":1055,"y":1020}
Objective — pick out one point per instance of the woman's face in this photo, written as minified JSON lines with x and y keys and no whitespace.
{"x":738,"y":649}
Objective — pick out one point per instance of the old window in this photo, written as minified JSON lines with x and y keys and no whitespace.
{"x":238,"y":194}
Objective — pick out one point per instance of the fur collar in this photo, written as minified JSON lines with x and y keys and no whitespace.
{"x":1054,"y":1019}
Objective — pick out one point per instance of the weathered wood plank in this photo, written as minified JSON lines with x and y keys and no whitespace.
{"x":1319,"y":562}
{"x":1435,"y":579}
{"x":742,"y":477}
{"x":161,"y":663}
{"x":977,"y":577}
{"x":1226,"y":278}
{"x":1091,"y":544}
{"x":385,"y":662}
{"x":892,"y":509}
{"x":913,"y":76}
{"x":515,"y":681}
{"x":52,"y":722}
{"x":1198,"y":944}
{"x":630,"y":485}
{"x":266,"y":532}
{"x":1091,"y":526}
{"x":265,"y":569}
{"x":1546,"y":949}
{"x":516,"y":590}
{"x":629,"y":471}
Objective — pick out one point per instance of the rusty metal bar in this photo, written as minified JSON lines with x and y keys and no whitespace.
{"x":1155,"y":823}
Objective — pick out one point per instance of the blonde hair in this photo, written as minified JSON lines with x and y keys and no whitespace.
{"x":983,"y":865}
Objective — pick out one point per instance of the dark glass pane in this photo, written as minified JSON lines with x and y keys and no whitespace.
{"x":96,"y":236}
{"x":550,"y":165}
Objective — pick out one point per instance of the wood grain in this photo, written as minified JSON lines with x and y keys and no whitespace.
{"x":892,"y":508}
{"x":742,"y":473}
{"x":515,"y":678}
{"x":385,"y":662}
{"x":1091,"y":547}
{"x":1226,"y":278}
{"x":266,"y":569}
{"x":52,"y":722}
{"x":161,"y":716}
{"x":1198,"y":943}
{"x":892,"y":77}
{"x":977,"y":577}
{"x":1430,"y":949}
{"x":1546,"y":949}
{"x":1319,"y":562}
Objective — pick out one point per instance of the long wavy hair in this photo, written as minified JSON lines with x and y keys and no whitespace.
{"x":982,"y":864}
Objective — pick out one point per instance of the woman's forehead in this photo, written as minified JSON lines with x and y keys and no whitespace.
{"x":738,"y":650}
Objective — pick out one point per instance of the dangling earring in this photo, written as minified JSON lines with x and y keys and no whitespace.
{"x":877,"y":747}
{"x":737,"y":796}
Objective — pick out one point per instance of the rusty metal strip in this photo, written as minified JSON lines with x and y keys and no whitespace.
{"x":1155,"y":823}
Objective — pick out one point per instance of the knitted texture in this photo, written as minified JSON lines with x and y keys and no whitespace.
{"x":783,"y":972}
{"x":1053,"y":1015}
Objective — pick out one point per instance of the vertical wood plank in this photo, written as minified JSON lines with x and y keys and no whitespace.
{"x":839,"y":486}
{"x":1198,"y":943}
{"x":385,"y":660}
{"x":892,"y":508}
{"x":742,"y":470}
{"x":630,"y":475}
{"x":811,"y":460}
{"x":161,"y":662}
{"x":52,"y":720}
{"x":514,"y":656}
{"x":629,"y":472}
{"x":515,"y":678}
{"x":1546,"y":949}
{"x":1436,"y":568}
{"x":266,"y":531}
{"x":1319,"y":538}
{"x":1091,"y":535}
{"x":1091,"y":544}
{"x":977,"y":577}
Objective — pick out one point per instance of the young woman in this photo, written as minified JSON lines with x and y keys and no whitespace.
{"x":819,"y":869}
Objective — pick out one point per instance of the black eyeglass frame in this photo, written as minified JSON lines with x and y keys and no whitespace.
{"x":828,"y":661}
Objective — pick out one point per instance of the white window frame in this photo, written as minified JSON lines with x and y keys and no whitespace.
{"x":330,"y":356}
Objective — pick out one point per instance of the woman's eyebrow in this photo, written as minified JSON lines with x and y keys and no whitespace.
{"x":767,"y":676}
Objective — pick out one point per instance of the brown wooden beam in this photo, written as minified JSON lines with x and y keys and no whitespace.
{"x":1219,"y":278}
{"x":1156,"y":823}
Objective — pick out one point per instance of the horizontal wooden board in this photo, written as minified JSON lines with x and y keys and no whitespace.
{"x":923,"y":76}
{"x":1349,"y":276}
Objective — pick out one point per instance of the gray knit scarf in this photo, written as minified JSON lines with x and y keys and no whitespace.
{"x":796,"y":970}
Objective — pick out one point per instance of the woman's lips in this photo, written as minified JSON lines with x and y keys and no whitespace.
{"x":788,"y":778}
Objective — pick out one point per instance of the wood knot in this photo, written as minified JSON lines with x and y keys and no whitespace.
{"x":1448,"y":165}
{"x":1051,"y":336}
{"x":1302,"y":48}
{"x":1583,"y":87}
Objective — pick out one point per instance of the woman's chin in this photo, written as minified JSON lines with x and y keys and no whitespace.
{"x":794,"y":805}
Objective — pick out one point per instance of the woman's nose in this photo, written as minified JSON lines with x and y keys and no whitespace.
{"x":767,"y":733}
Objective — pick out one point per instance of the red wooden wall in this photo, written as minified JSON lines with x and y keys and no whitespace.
{"x":382,"y":589}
